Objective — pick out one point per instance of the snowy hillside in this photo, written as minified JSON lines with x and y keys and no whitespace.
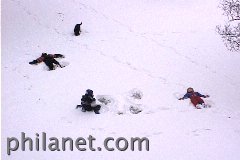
{"x":158,"y":47}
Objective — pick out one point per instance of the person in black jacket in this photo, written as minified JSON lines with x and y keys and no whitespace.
{"x":48,"y":59}
{"x":77,"y":29}
{"x":88,"y":102}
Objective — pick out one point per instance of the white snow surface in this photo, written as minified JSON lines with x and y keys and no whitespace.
{"x":159,"y":47}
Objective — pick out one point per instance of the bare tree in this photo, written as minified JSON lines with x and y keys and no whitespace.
{"x":230,"y":32}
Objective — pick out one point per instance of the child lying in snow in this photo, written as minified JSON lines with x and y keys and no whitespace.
{"x":195,"y":98}
{"x":48,"y":59}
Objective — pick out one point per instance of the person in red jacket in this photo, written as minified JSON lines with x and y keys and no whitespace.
{"x":48,"y":59}
{"x":195,"y":98}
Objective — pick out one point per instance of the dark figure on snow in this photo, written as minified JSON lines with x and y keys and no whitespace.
{"x":48,"y":59}
{"x":77,"y":29}
{"x":195,"y":98}
{"x":88,"y":102}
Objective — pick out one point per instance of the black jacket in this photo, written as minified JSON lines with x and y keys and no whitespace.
{"x":87,"y":99}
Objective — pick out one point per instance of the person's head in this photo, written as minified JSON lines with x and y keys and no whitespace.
{"x":89,"y":92}
{"x":190,"y":90}
{"x":44,"y":54}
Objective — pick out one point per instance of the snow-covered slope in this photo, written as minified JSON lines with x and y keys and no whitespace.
{"x":159,"y":47}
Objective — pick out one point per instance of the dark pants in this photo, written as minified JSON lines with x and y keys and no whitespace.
{"x":89,"y":108}
{"x":49,"y":63}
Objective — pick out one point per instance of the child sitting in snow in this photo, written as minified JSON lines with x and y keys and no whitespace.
{"x":88,"y":102}
{"x":48,"y":59}
{"x":195,"y":98}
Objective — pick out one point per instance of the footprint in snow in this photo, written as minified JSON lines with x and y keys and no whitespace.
{"x":198,"y":132}
{"x":157,"y":133}
{"x":66,"y":121}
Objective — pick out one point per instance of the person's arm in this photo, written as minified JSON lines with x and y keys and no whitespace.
{"x":78,"y":106}
{"x":83,"y":100}
{"x":200,"y":95}
{"x":184,"y":97}
{"x":58,"y":56}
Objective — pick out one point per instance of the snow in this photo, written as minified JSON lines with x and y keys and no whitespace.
{"x":157,"y":47}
